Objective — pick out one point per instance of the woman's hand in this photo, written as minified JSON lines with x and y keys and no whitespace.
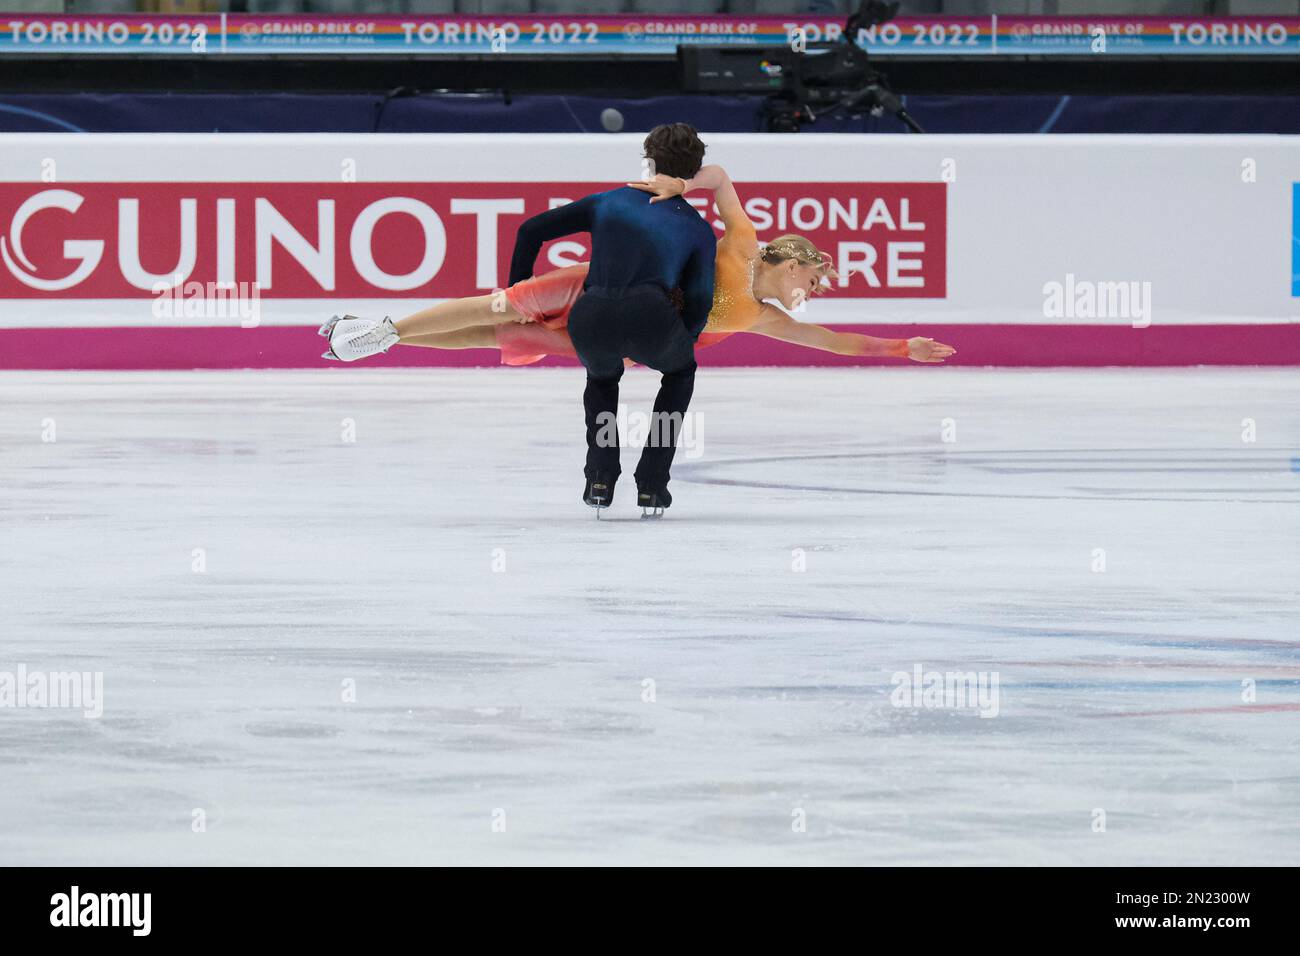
{"x":662,"y":187}
{"x":928,"y":350}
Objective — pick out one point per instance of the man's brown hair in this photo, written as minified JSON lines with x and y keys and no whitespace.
{"x":675,"y":149}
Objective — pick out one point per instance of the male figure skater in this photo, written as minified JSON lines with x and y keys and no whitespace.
{"x":640,"y":252}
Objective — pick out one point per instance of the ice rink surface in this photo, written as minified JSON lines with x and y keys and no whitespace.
{"x":1110,"y":545}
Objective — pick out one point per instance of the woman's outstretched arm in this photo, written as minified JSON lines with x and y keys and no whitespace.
{"x":776,"y":324}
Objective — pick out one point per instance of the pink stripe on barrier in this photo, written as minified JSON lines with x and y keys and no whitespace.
{"x":1006,"y":345}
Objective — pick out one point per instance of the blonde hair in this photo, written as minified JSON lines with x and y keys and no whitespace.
{"x":796,"y":247}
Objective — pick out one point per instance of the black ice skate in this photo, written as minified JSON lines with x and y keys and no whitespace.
{"x":599,"y":492}
{"x":652,"y":501}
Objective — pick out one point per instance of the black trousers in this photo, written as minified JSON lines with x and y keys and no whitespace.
{"x":642,"y":324}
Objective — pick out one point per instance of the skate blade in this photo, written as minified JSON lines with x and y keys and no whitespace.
{"x":649,"y":514}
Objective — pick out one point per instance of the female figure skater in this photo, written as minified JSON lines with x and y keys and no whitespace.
{"x":527,"y":321}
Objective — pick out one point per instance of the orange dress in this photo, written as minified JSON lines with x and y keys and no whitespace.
{"x":734,"y":307}
{"x":547,"y":299}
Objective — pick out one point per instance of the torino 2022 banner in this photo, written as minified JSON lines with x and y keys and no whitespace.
{"x":305,"y":35}
{"x":173,"y":251}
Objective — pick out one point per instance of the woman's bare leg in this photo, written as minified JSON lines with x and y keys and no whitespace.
{"x":479,"y":311}
{"x":474,"y":337}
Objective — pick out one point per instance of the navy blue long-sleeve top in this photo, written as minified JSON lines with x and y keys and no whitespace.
{"x":633,"y":242}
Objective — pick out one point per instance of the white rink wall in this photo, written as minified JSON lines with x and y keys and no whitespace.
{"x":1037,"y":250}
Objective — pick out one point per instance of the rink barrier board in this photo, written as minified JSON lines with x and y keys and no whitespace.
{"x":1026,"y":346}
{"x":993,"y":260}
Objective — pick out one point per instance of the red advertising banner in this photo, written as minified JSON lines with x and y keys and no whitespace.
{"x":409,"y":240}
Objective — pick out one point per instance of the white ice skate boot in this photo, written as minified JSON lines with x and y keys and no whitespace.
{"x":352,"y":338}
